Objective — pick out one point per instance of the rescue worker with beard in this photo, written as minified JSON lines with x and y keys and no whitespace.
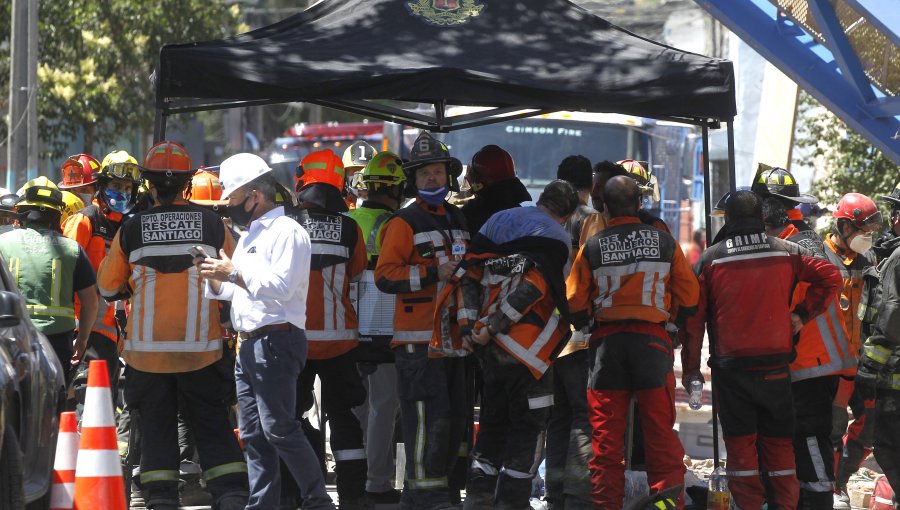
{"x":630,"y":350}
{"x":823,"y":354}
{"x":338,"y":258}
{"x":383,"y":179}
{"x":492,"y":177}
{"x":878,"y":375}
{"x":49,"y":269}
{"x":505,"y":294}
{"x":751,"y":323}
{"x":94,"y":228}
{"x":568,"y":483}
{"x":848,"y":247}
{"x":173,"y":349}
{"x":421,"y":248}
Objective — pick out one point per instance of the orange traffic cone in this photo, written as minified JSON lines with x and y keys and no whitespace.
{"x":98,"y":473}
{"x":62,"y":491}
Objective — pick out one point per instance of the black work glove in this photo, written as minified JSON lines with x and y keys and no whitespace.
{"x":868,"y":374}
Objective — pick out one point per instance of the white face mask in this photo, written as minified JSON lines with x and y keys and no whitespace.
{"x":86,"y":198}
{"x":861,"y":243}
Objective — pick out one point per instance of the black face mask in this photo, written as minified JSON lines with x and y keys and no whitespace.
{"x":238,"y":215}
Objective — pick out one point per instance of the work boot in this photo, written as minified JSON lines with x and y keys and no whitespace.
{"x":231,"y":502}
{"x":512,"y":493}
{"x":841,"y":501}
{"x":480,"y":490}
{"x":389,"y":497}
{"x":362,"y":503}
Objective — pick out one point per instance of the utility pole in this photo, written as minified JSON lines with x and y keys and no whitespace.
{"x":18,"y":96}
{"x":22,"y":156}
{"x":31,"y":107}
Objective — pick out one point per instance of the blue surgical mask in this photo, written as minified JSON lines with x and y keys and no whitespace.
{"x":433,"y":196}
{"x":116,"y":200}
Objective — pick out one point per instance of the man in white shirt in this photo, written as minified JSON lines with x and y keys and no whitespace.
{"x":266,"y":282}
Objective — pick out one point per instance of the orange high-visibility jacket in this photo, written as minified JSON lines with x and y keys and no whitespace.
{"x":515,"y":300}
{"x":93,"y":228}
{"x":631,"y":271}
{"x":338,"y":257}
{"x":823,"y":348}
{"x":415,"y":242}
{"x":172,"y":327}
{"x":851,"y":265}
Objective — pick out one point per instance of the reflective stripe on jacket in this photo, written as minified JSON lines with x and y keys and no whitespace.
{"x":42,"y":262}
{"x":172,"y":327}
{"x":823,"y":348}
{"x":516,"y":301}
{"x":338,"y":257}
{"x":852,"y":267}
{"x":745,"y":291}
{"x":631,"y":271}
{"x":415,"y":242}
{"x":94,"y":231}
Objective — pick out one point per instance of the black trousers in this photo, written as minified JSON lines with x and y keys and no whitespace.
{"x":515,"y":408}
{"x":812,"y":438}
{"x":62,"y":346}
{"x":569,"y":433}
{"x":98,"y":348}
{"x":204,"y":393}
{"x":342,"y":390}
{"x":432,"y":416}
{"x":887,"y":434}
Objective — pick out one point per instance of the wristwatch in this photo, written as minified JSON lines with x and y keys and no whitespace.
{"x":232,"y":278}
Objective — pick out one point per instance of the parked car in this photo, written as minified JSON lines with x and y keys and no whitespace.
{"x":32,"y":392}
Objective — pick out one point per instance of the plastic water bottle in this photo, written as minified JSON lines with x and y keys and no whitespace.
{"x":719,"y":497}
{"x":696,"y":386}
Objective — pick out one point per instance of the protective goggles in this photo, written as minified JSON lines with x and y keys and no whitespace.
{"x":870,"y":223}
{"x":129,"y":171}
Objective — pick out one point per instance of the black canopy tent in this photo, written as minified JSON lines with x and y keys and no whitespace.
{"x":517,"y":58}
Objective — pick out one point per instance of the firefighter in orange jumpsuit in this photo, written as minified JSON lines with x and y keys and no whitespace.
{"x":93,"y":228}
{"x":628,"y":281}
{"x":848,"y":247}
{"x":421,"y":246}
{"x":174,"y":344}
{"x":338,"y":258}
{"x":822,"y":350}
{"x":511,"y":283}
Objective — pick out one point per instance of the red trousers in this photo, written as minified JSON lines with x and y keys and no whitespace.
{"x":623,"y":365}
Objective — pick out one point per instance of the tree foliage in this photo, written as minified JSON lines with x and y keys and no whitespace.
{"x":850,"y":162}
{"x":96,"y":58}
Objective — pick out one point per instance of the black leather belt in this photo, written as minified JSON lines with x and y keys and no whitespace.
{"x":269,"y":328}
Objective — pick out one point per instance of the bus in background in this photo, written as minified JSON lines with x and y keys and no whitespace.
{"x":286,"y":152}
{"x":538,"y":144}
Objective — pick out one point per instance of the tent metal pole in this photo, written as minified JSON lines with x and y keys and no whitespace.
{"x":159,"y":125}
{"x":707,"y":185}
{"x":732,"y":184}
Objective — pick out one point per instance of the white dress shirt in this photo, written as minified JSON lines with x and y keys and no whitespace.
{"x":273,"y":258}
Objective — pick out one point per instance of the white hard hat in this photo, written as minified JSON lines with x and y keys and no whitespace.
{"x":240,"y":169}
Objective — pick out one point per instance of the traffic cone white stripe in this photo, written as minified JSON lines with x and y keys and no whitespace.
{"x":99,"y":463}
{"x":98,"y":472}
{"x":66,"y":451}
{"x":62,"y":490}
{"x":62,"y":496}
{"x":100,"y":415}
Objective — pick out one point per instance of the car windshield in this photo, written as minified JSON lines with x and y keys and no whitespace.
{"x":538,"y":145}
